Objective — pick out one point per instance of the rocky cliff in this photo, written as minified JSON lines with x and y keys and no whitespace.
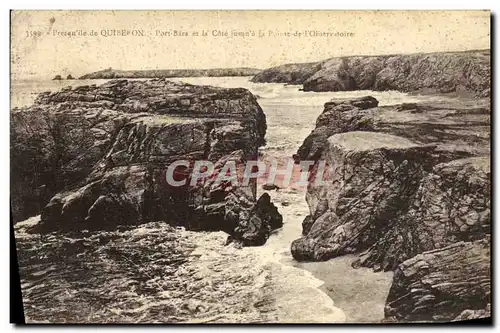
{"x":95,"y":157}
{"x":402,"y":180}
{"x":167,"y":73}
{"x":456,"y":72}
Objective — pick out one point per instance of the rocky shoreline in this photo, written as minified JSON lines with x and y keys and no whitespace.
{"x":169,"y":73}
{"x":445,"y":72}
{"x":406,"y":184}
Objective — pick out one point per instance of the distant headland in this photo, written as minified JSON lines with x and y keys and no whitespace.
{"x":110,"y":73}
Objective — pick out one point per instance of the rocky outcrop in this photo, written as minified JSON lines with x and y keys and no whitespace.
{"x":401,"y":180}
{"x":452,"y":204}
{"x":98,"y":155}
{"x":371,"y":179}
{"x":450,"y":283}
{"x":458,"y":128}
{"x":290,"y":73}
{"x":168,"y":73}
{"x":406,"y":187}
{"x":456,"y":72}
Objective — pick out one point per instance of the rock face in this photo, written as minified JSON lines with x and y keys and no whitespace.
{"x":399,"y":181}
{"x":442,"y":285}
{"x":96,"y":157}
{"x":437,"y":72}
{"x":168,"y":73}
{"x":371,"y":178}
{"x":290,"y":73}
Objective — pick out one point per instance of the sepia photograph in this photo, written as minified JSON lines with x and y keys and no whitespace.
{"x":251,"y":166}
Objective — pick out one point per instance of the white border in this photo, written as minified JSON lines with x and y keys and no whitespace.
{"x":189,"y":4}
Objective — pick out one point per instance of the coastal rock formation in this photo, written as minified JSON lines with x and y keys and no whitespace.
{"x":442,"y":285}
{"x":457,"y":128}
{"x":290,"y":73}
{"x":437,"y":72}
{"x":99,"y":156}
{"x":110,"y":73}
{"x":452,"y":204}
{"x":371,"y":178}
{"x":407,"y":188}
{"x":401,"y":180}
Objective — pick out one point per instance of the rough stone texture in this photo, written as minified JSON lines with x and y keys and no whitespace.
{"x":370,"y":180}
{"x":95,"y":157}
{"x":446,"y":197}
{"x":440,"y":285}
{"x":402,"y":180}
{"x":475,"y":314}
{"x":451,"y":205}
{"x":437,"y":72}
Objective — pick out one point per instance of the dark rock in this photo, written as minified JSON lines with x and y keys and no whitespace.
{"x":110,"y":73}
{"x":307,"y":224}
{"x":433,"y":72}
{"x":69,"y":77}
{"x":101,"y":155}
{"x":440,"y":285}
{"x":57,"y":77}
{"x":262,"y":219}
{"x":371,"y":178}
{"x":452,"y":204}
{"x":401,"y":180}
{"x":291,"y":73}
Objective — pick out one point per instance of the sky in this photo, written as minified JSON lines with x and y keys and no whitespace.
{"x":46,"y":43}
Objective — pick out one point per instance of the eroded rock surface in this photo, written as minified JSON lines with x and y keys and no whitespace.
{"x":437,"y":72}
{"x":371,"y":178}
{"x":440,"y":285}
{"x":96,"y":157}
{"x":402,"y":180}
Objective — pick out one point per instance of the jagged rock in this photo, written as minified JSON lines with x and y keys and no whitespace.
{"x":262,"y":219}
{"x":455,"y":131}
{"x":110,"y":73}
{"x":451,"y":205}
{"x":270,"y":187}
{"x":370,"y":180}
{"x":291,"y":73}
{"x":458,"y":128}
{"x":440,"y":285}
{"x":384,"y":201}
{"x":102,"y":152}
{"x":474,"y":314}
{"x":432,"y":72}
